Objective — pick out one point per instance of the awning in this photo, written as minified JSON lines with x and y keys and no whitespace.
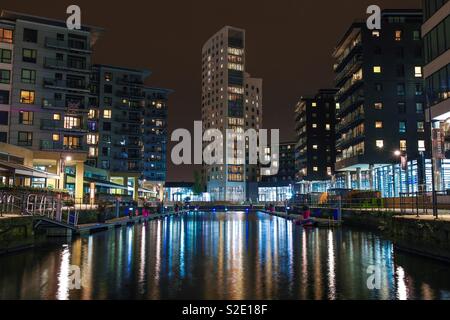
{"x":104,"y":183}
{"x":21,"y":170}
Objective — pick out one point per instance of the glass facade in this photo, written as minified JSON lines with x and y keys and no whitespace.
{"x":275,"y":194}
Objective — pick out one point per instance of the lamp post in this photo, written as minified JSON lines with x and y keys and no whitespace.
{"x":433,"y":178}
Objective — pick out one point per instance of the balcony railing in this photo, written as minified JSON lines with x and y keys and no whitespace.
{"x":341,"y":142}
{"x":49,"y":145}
{"x":128,"y":131}
{"x":60,"y":104}
{"x":131,"y":94}
{"x":72,"y":85}
{"x":130,"y":82}
{"x":67,"y":65}
{"x":48,"y":124}
{"x":71,"y":45}
{"x":129,"y":120}
{"x":346,"y":123}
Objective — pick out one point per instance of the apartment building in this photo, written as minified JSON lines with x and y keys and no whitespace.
{"x":315,"y":119}
{"x":230,"y":100}
{"x":435,"y":33}
{"x":48,"y":90}
{"x":381,"y":102}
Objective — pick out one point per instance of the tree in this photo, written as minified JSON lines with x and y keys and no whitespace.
{"x":197,"y":189}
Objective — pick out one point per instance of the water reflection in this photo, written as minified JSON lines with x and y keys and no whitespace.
{"x":222,"y":256}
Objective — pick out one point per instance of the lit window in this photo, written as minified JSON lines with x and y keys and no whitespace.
{"x":378,"y":106}
{"x":327,"y":127}
{"x":418,"y":72}
{"x":314,"y":104}
{"x":315,"y":169}
{"x":420,"y":126}
{"x":338,"y":106}
{"x":329,"y":171}
{"x":26,"y":117}
{"x":27,"y":96}
{"x":380,"y":144}
{"x":55,"y":137}
{"x":402,"y":127}
{"x":314,"y":125}
{"x":398,"y":35}
{"x":376,"y":69}
{"x":91,"y":114}
{"x":108,"y":76}
{"x":402,"y":145}
{"x":92,"y":139}
{"x":421,"y":144}
{"x":376,"y":34}
{"x":93,"y":152}
{"x":315,"y":147}
{"x":107,"y":114}
{"x":379,"y":124}
{"x":56,"y":116}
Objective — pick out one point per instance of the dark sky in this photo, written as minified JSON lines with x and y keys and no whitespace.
{"x":289,"y":45}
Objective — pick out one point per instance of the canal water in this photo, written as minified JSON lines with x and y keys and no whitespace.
{"x":231,"y":255}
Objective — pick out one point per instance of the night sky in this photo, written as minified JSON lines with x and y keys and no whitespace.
{"x":289,"y":44}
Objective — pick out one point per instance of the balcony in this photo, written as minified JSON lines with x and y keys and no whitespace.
{"x":69,"y":85}
{"x":127,"y":156}
{"x":349,"y":162}
{"x":128,"y":119}
{"x":60,"y":104}
{"x":346,"y":57}
{"x":349,"y":69}
{"x":74,"y":45}
{"x":351,"y":121}
{"x":129,"y":131}
{"x":58,"y":125}
{"x":347,"y":141}
{"x":348,"y":88}
{"x":48,"y":145}
{"x":70,"y":65}
{"x":130,"y":82}
{"x":130,"y":94}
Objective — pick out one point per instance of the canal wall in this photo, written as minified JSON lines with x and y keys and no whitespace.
{"x":420,"y":235}
{"x":17,"y":233}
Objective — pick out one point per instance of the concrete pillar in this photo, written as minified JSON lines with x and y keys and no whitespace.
{"x":358,"y":179}
{"x":79,"y":181}
{"x":125,"y":184}
{"x":60,"y":172}
{"x":135,"y":189}
{"x":371,"y":177}
{"x":348,"y":182}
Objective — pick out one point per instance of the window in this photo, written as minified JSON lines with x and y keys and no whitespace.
{"x":28,"y":76}
{"x":6,"y":35}
{"x":378,"y":87}
{"x":418,"y":72}
{"x":29,"y":55}
{"x":93,"y":152}
{"x":72,"y":123}
{"x":400,"y":89}
{"x":419,"y":89}
{"x":56,"y":116}
{"x":3,"y":137}
{"x":402,"y":127}
{"x":378,"y":106}
{"x":107,"y":126}
{"x":377,"y":69}
{"x":376,"y":34}
{"x":315,"y":147}
{"x":55,"y":137}
{"x":327,"y":127}
{"x":108,"y":76}
{"x":314,"y":104}
{"x":30,"y":35}
{"x":71,"y":142}
{"x":108,"y":88}
{"x":402,"y":145}
{"x":92,"y":139}
{"x":4,"y":116}
{"x":398,"y":35}
{"x":4,"y":97}
{"x":401,"y":106}
{"x":416,"y":35}
{"x":5,"y":56}
{"x":421,"y":145}
{"x":25,"y":138}
{"x":5,"y":76}
{"x":379,"y":144}
{"x":314,"y":125}
{"x":379,"y":124}
{"x":27,"y":96}
{"x":107,"y":114}
{"x":400,"y":70}
{"x":419,"y":107}
{"x":315,"y":169}
{"x":420,"y":126}
{"x":26,"y":117}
